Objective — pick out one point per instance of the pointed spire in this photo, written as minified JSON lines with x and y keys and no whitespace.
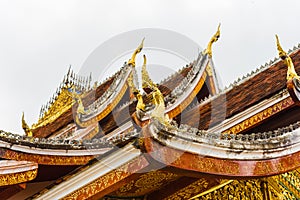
{"x":25,"y":127}
{"x":212,"y":40}
{"x":147,"y":84}
{"x":137,"y":50}
{"x":291,"y":73}
{"x":281,"y":52}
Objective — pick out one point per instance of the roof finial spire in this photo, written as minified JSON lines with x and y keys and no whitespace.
{"x":214,"y":38}
{"x":25,"y":127}
{"x":137,"y":50}
{"x":147,"y":83}
{"x":291,"y":73}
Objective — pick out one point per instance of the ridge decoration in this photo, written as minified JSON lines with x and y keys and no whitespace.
{"x":214,"y":39}
{"x":291,"y":73}
{"x":293,"y":80}
{"x":25,"y":127}
{"x":137,"y":50}
{"x":147,"y":83}
{"x":62,"y":101}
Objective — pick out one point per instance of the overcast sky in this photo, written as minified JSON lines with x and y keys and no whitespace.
{"x":40,"y":39}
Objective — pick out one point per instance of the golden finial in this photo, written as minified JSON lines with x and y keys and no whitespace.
{"x":138,"y":50}
{"x":25,"y":127}
{"x":291,"y":72}
{"x":140,"y":104}
{"x":281,"y":52}
{"x":212,"y":40}
{"x":147,"y":83}
{"x":159,"y":110}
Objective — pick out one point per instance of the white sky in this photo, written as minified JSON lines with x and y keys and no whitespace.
{"x":40,"y":39}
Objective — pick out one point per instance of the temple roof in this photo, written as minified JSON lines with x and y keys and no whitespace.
{"x":243,"y":94}
{"x":118,"y":144}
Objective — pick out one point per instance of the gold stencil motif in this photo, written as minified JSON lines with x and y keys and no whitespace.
{"x":146,"y":183}
{"x":190,"y":190}
{"x":237,"y":189}
{"x":259,"y":117}
{"x":63,"y":103}
{"x":15,"y":178}
{"x":107,"y":180}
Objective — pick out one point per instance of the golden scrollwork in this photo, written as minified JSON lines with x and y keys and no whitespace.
{"x":190,"y":190}
{"x":291,"y":73}
{"x":45,"y":159}
{"x":153,"y":180}
{"x":289,"y":184}
{"x":137,"y":50}
{"x":15,"y":178}
{"x":275,"y":195}
{"x":25,"y":127}
{"x":261,"y":116}
{"x":237,"y":189}
{"x":63,"y":103}
{"x":104,"y":112}
{"x":214,"y":38}
{"x":275,"y":188}
{"x":106,"y":181}
{"x":212,"y":189}
{"x":146,"y":183}
{"x":157,"y":97}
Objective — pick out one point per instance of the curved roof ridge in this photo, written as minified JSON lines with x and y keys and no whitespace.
{"x":172,"y":75}
{"x":258,"y":70}
{"x":248,"y":76}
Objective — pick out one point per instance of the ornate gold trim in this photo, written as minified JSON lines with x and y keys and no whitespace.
{"x":275,"y":190}
{"x":15,"y":178}
{"x":287,"y":180}
{"x":146,"y":183}
{"x":105,"y":112}
{"x":190,"y":190}
{"x":63,"y":103}
{"x":107,"y":180}
{"x":45,"y":159}
{"x":236,"y":189}
{"x":212,"y":189}
{"x":259,"y":117}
